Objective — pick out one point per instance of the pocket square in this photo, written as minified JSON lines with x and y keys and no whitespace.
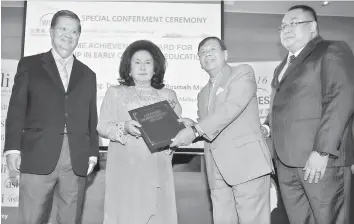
{"x":220,"y":90}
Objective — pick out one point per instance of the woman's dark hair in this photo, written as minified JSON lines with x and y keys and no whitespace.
{"x":159,"y":63}
{"x":64,"y":13}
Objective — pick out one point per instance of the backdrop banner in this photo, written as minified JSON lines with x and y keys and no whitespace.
{"x":9,"y":180}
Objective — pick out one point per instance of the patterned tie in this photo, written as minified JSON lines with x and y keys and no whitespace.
{"x":213,"y":81}
{"x":64,"y":73}
{"x":290,"y":61}
{"x":64,"y":77}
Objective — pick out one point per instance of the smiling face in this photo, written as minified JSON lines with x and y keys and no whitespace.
{"x":211,"y":56}
{"x":65,"y":36}
{"x":142,"y":68}
{"x":295,"y":38}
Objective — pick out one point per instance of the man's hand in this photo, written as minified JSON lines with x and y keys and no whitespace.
{"x":92,"y":165}
{"x":352,"y":167}
{"x":131,"y":127}
{"x":187,"y":122}
{"x":183,"y":138}
{"x":315,"y":167}
{"x":13,"y":162}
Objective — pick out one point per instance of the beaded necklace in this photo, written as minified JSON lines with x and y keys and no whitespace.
{"x":145,"y":95}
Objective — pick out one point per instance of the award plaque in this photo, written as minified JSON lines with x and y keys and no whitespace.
{"x":158,"y":124}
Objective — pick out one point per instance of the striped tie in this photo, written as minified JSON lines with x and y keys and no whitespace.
{"x":64,"y":74}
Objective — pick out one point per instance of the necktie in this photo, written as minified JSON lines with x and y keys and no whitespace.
{"x":291,"y":59}
{"x":64,"y":74}
{"x":213,"y":81}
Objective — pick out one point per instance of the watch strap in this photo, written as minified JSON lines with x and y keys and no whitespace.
{"x":195,"y":131}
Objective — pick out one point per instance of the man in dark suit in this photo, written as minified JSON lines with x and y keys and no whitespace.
{"x":51,"y":133}
{"x":310,"y":122}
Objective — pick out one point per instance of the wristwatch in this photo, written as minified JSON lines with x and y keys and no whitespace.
{"x":196,"y":133}
{"x":323,"y":153}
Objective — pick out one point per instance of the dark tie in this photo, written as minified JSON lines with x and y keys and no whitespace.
{"x":291,"y":59}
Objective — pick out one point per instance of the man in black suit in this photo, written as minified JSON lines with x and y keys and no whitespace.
{"x":311,"y":122}
{"x":51,"y":136}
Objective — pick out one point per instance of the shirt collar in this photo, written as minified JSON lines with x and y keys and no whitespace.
{"x":296,"y":53}
{"x":58,"y":57}
{"x":213,"y":80}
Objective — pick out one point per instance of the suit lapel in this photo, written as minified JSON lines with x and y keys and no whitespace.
{"x":76,"y":75}
{"x":294,"y":67}
{"x":275,"y":81}
{"x":204,"y":100}
{"x":51,"y":68}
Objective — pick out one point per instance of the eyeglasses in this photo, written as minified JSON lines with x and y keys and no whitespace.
{"x":291,"y":25}
{"x":66,"y":30}
{"x":211,"y":49}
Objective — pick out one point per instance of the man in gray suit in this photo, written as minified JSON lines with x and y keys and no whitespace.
{"x":237,"y":158}
{"x":311,"y":122}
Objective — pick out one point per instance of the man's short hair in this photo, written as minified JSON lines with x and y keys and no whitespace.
{"x":305,"y":8}
{"x":221,"y":43}
{"x":67,"y":14}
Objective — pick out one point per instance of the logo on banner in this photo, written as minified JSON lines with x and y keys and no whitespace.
{"x":45,"y":20}
{"x":5,"y":79}
{"x":13,"y":198}
{"x":3,"y":168}
{"x":43,"y":26}
{"x":11,"y":182}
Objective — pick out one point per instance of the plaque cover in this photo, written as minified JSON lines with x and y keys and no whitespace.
{"x":158,"y":124}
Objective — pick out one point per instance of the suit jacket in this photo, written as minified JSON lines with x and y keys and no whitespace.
{"x":39,"y":108}
{"x":313,"y":105}
{"x":232,"y":127}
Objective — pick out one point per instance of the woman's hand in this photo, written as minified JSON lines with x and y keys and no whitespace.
{"x":131,"y":127}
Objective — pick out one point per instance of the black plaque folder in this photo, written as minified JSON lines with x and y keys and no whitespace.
{"x":158,"y":124}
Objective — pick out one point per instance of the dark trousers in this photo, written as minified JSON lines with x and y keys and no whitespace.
{"x":327,"y":202}
{"x":37,"y":193}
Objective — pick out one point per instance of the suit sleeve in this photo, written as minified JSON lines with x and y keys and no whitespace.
{"x":266,"y":123}
{"x":199,"y":106}
{"x":241,"y":90}
{"x":17,"y":109}
{"x":94,"y":151}
{"x":337,"y":97}
{"x":274,"y":85}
